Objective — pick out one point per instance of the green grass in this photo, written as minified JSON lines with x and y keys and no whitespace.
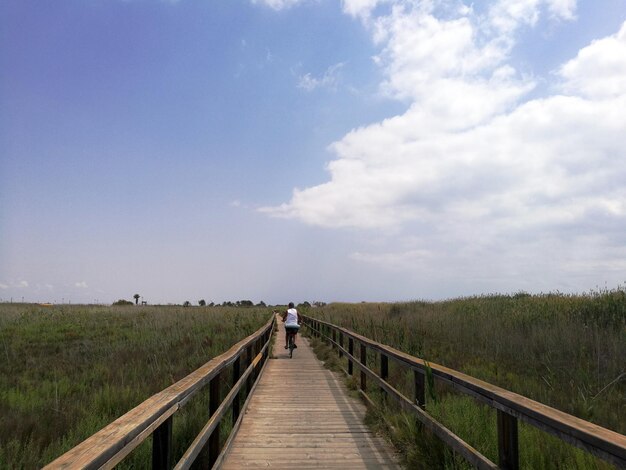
{"x":565,"y":351}
{"x":68,"y":371}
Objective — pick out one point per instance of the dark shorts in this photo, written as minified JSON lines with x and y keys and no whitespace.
{"x":291,"y":329}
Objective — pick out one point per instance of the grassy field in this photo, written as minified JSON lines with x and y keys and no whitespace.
{"x":565,"y":351}
{"x":67,"y":371}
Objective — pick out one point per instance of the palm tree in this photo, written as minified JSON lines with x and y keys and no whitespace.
{"x":136,"y":296}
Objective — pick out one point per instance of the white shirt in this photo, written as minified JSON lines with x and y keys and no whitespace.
{"x":292,"y":317}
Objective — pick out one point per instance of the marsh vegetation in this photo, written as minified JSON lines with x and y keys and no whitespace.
{"x":68,"y":371}
{"x":565,"y":351}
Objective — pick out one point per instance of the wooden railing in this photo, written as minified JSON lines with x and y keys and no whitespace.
{"x":112,"y":444}
{"x":604,"y":443}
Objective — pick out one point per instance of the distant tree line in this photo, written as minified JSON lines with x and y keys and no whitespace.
{"x":250,"y":303}
{"x":238,"y":303}
{"x":228,"y":303}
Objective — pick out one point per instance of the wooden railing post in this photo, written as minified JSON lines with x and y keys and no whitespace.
{"x":508,"y":449}
{"x":162,"y":446}
{"x":334,"y":338}
{"x":236,"y":375}
{"x":267,"y":350}
{"x":249,"y":358}
{"x":351,"y":352}
{"x":420,"y":389}
{"x":384,"y":372}
{"x":256,"y":349}
{"x":364,"y":362}
{"x":340,"y":344}
{"x":214,"y":403}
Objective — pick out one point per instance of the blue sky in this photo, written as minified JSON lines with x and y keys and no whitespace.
{"x":298,"y":150}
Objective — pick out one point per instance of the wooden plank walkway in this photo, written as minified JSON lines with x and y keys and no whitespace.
{"x":300,"y":416}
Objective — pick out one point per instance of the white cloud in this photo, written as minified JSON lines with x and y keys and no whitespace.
{"x":506,"y":16}
{"x":329,"y":79}
{"x":278,"y":4}
{"x":81,"y":285}
{"x":360,"y":8}
{"x":471,"y":165}
{"x":565,"y":9}
{"x":19,"y":284}
{"x":599,"y":70}
{"x":461,"y":91}
{"x":547,"y":161}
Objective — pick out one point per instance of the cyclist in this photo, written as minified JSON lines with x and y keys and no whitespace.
{"x":292,"y":324}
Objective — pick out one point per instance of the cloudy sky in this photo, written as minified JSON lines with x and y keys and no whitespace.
{"x":328,"y":150}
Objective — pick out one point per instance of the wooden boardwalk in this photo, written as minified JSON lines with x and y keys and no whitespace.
{"x":300,"y":416}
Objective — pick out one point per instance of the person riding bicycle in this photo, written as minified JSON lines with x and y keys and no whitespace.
{"x":292,"y":324}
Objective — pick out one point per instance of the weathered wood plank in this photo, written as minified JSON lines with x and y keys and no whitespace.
{"x":301,"y":417}
{"x":288,"y":465}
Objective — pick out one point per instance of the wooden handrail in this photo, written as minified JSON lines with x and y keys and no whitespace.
{"x":110,"y":445}
{"x":602,"y":442}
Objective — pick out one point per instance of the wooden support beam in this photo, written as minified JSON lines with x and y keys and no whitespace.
{"x":508,"y":448}
{"x":236,"y":375}
{"x":250,"y":379}
{"x":351,"y":352}
{"x":162,"y":446}
{"x":214,"y":403}
{"x":340,"y":344}
{"x":420,"y":389}
{"x":384,"y":371}
{"x":364,"y":362}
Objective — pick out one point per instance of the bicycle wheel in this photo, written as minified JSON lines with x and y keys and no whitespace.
{"x":291,"y":344}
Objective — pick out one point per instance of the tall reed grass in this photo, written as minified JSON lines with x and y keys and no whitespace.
{"x":566,"y":351}
{"x":68,"y":371}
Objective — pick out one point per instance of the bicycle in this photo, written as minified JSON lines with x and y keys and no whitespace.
{"x":291,"y":330}
{"x":291,"y":345}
